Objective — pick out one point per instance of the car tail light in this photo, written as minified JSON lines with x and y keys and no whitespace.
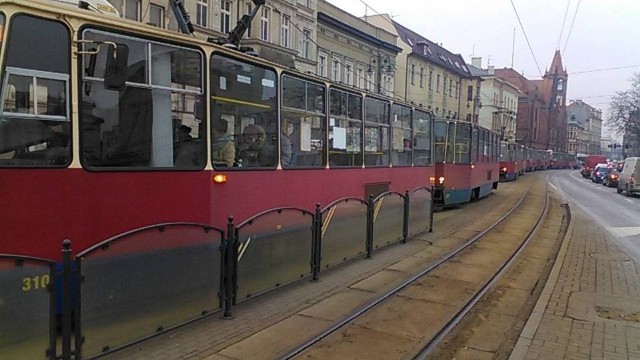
{"x":597,"y":173}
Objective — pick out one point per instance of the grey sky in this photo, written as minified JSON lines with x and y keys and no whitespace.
{"x":605,"y":34}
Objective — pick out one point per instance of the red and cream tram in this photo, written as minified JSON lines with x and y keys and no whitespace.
{"x":467,"y":162}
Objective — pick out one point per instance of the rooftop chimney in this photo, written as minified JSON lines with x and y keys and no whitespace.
{"x":477,"y":62}
{"x":491,"y":70}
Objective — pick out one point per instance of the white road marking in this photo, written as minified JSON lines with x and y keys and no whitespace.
{"x":624,"y":231}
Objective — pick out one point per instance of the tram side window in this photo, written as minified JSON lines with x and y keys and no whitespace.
{"x":155,"y":120}
{"x":451,"y":140}
{"x":440,"y":139}
{"x":474,"y":144}
{"x":401,"y":141}
{"x":463,"y":143}
{"x":376,"y":133}
{"x":244,"y":96}
{"x":483,"y":146}
{"x":345,"y":129}
{"x":421,"y":138}
{"x":302,"y":124}
{"x":34,"y":121}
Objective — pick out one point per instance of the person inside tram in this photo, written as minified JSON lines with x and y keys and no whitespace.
{"x":287,"y":147}
{"x":255,"y":149}
{"x":223,"y":150}
{"x":187,"y":153}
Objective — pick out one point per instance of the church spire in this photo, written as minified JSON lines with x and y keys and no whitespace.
{"x":556,"y":65}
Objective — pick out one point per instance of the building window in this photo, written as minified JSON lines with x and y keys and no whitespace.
{"x":225,"y":17}
{"x":470,"y":93}
{"x":438,"y":83}
{"x":421,"y":77}
{"x":560,"y":84}
{"x":322,"y":63}
{"x":306,"y":43}
{"x":444,"y":85}
{"x":132,"y":10}
{"x":450,"y":87}
{"x":360,"y":80}
{"x":369,"y":81}
{"x":156,"y":15}
{"x":202,"y":8}
{"x":347,"y":74}
{"x":413,"y":74}
{"x":284,"y":31}
{"x":430,"y":79}
{"x":249,"y":8}
{"x":457,"y":89}
{"x":264,"y":24}
{"x":336,"y":70}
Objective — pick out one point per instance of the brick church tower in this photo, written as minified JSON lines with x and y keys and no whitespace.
{"x":554,"y":88}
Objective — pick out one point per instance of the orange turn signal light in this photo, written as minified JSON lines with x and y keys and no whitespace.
{"x":220,"y":178}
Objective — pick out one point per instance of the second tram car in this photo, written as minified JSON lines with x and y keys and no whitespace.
{"x":466,"y":162}
{"x":509,"y":162}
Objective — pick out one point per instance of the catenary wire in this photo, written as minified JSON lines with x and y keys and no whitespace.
{"x":566,"y":11}
{"x":526,"y":37}
{"x":571,"y":28}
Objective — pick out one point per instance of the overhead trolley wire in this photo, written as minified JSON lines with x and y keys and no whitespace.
{"x":566,"y":11}
{"x":571,"y":28}
{"x":526,"y":37}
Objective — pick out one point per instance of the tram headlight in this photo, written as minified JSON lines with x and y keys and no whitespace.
{"x":504,"y":169}
{"x":441,"y":180}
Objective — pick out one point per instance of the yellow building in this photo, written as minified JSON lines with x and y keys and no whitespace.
{"x":431,"y":76}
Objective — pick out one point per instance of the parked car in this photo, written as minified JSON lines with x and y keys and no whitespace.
{"x":611,"y":178}
{"x":629,"y":181}
{"x":599,"y":173}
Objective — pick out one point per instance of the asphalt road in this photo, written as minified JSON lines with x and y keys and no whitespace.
{"x":618,"y":214}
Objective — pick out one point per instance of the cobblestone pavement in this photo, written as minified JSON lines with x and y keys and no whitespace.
{"x":590,"y":307}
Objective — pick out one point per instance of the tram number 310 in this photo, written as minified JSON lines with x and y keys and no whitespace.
{"x":36,"y":282}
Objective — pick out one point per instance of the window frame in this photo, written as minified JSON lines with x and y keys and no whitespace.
{"x":161,"y":13}
{"x":265,"y":15}
{"x":285,"y":40}
{"x":276,"y":110}
{"x":148,"y":85}
{"x":286,"y":111}
{"x":202,"y":13}
{"x":403,"y":129}
{"x":350,"y":120}
{"x":225,"y":16}
{"x":385,"y":141}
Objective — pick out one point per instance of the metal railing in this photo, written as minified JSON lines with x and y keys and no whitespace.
{"x":147,"y":281}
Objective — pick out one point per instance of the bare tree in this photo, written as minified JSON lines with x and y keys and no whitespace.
{"x":624,"y":114}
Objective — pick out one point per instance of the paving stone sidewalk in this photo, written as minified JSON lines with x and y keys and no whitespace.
{"x":590,"y":306}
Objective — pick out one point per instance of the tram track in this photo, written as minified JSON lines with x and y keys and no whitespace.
{"x":281,"y":321}
{"x":345,"y":328}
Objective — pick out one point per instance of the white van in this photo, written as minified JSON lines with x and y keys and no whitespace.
{"x":630,"y":176}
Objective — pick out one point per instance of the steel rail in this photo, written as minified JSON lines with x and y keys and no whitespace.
{"x":435,"y":341}
{"x":363,"y":309}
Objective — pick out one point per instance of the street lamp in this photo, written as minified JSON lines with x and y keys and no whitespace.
{"x":381,"y":63}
